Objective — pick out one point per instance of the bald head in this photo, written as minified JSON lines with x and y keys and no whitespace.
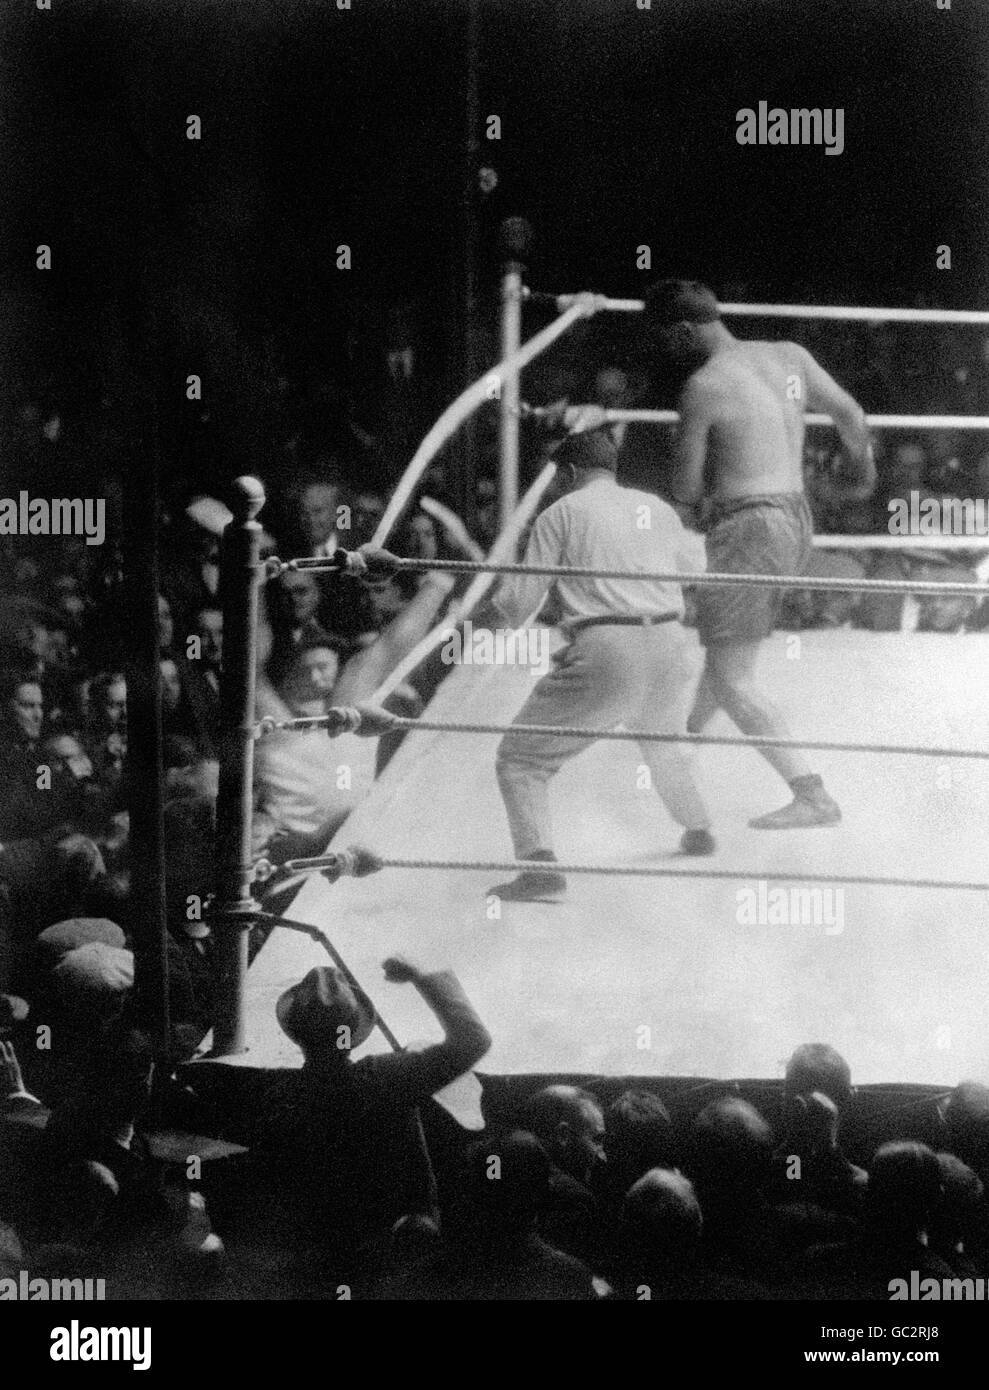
{"x":661,"y":1216}
{"x":569,"y":1124}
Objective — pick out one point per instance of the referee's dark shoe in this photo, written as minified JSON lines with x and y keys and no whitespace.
{"x":697,"y":842}
{"x":533,"y":885}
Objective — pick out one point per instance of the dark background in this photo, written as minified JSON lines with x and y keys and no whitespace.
{"x":323,"y":126}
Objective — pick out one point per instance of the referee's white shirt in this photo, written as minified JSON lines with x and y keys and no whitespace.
{"x":607,"y":527}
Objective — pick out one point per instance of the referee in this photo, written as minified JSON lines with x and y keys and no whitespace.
{"x":625,"y":662}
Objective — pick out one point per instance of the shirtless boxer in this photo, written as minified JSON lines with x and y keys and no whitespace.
{"x":739,"y":448}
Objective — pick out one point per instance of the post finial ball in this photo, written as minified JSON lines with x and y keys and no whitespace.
{"x":246,"y":497}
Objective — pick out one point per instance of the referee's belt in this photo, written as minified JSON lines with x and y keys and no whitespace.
{"x":623,"y":620}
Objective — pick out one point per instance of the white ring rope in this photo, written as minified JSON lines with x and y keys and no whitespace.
{"x":876,"y":422}
{"x":836,"y":312}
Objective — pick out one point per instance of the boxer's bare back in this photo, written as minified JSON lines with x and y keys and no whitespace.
{"x":742,"y":420}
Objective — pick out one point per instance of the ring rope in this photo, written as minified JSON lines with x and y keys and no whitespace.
{"x":836,"y":312}
{"x":334,"y":721}
{"x":770,"y":581}
{"x":627,"y":871}
{"x":615,"y":416}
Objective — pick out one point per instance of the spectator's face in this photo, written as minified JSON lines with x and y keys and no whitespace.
{"x":302,"y":595}
{"x":80,"y":699}
{"x":943,"y":614}
{"x":115,"y":704}
{"x":387,"y":601}
{"x":114,"y":753}
{"x":318,"y":670}
{"x":836,"y":609}
{"x":66,"y":754}
{"x":27,"y":709}
{"x":36,"y":640}
{"x":210,"y":631}
{"x":317,"y":512}
{"x":166,"y":624}
{"x":368,"y":511}
{"x":171,"y":687}
{"x":73,"y":606}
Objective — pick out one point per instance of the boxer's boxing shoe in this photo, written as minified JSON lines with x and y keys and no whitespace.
{"x":697,"y":842}
{"x":811,"y":806}
{"x":533,"y":885}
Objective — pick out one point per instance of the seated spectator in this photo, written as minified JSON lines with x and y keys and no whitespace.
{"x":945,"y":612}
{"x":190,"y":707}
{"x":190,"y":569}
{"x":108,"y":705}
{"x":818,"y":1067}
{"x":294,"y":600}
{"x":46,"y":865}
{"x":207,"y":626}
{"x":305,"y":783}
{"x":959,"y":1228}
{"x":75,"y":700}
{"x":87,"y":804}
{"x":105,"y":735}
{"x":313,"y":503}
{"x":386,"y":600}
{"x":807,"y":608}
{"x":83,"y":987}
{"x":310,"y":677}
{"x":70,"y":601}
{"x":730,"y":1166}
{"x":569,"y":1123}
{"x":369,"y":508}
{"x":637,"y":1137}
{"x":966,"y":1118}
{"x":809,"y":1166}
{"x":343,"y":1148}
{"x":97,"y":1125}
{"x":902,"y":1199}
{"x":658,"y":1239}
{"x":187,"y":772}
{"x":494,"y":1252}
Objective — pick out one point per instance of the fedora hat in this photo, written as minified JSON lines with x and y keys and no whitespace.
{"x":312,"y":1011}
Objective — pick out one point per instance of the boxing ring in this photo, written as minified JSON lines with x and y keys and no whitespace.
{"x":649,"y":967}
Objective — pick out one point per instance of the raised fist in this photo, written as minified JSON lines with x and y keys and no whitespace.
{"x":400,"y":971}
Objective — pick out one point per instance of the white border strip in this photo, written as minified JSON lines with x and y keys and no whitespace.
{"x":884,"y":542}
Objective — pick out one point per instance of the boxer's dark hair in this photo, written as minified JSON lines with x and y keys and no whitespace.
{"x":681,"y":301}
